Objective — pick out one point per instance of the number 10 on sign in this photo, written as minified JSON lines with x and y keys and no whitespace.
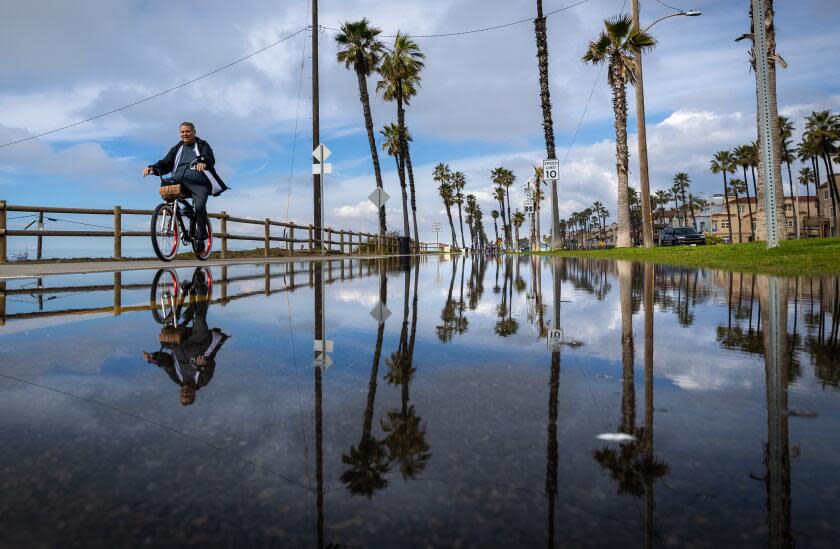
{"x":551,"y":170}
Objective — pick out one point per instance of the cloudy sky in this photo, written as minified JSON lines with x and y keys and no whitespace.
{"x":478,"y":107}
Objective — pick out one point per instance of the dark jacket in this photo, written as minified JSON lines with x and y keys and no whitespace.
{"x":203,"y":154}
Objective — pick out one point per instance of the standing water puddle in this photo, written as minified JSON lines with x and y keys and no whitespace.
{"x":498,"y":403}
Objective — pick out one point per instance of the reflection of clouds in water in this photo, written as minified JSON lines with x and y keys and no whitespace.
{"x":367,"y":298}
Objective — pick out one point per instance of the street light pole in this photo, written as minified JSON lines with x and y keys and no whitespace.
{"x":641,"y":126}
{"x":641,"y":130}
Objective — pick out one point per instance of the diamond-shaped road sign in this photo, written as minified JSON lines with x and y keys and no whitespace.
{"x":321,"y":152}
{"x":380,"y":312}
{"x":379,"y":197}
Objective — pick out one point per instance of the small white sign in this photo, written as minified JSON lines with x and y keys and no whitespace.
{"x":551,"y":170}
{"x":321,"y":169}
{"x":379,"y":197}
{"x":555,"y":339}
{"x":529,"y":209}
{"x":436,"y":227}
{"x":380,"y":312}
{"x":319,"y":345}
{"x":321,"y":152}
{"x":529,"y":195}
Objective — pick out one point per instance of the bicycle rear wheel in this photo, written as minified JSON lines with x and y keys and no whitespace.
{"x":164,"y":296}
{"x":165,"y":231}
{"x":203,"y":254}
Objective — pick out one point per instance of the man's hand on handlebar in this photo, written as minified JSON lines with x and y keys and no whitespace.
{"x":148,"y":170}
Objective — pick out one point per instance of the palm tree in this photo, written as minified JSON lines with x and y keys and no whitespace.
{"x":495,"y":215}
{"x":545,"y":101}
{"x":391,"y":143}
{"x":662,"y":199}
{"x":459,"y":181}
{"x":695,"y":202}
{"x":616,"y":46}
{"x":400,"y":71}
{"x":785,"y":134}
{"x":738,"y":186}
{"x":539,"y":196}
{"x":744,"y":157}
{"x":681,"y":184}
{"x":443,"y":176}
{"x":824,"y":128}
{"x":518,"y":220}
{"x":472,"y":205}
{"x":808,"y":150}
{"x":723,"y":163}
{"x":503,"y":179}
{"x":499,"y":195}
{"x":806,"y":176}
{"x":359,"y":46}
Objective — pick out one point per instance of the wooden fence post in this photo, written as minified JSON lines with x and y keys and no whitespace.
{"x":311,"y":244}
{"x":117,"y":232}
{"x":3,"y":241}
{"x":291,"y":241}
{"x":267,"y":236}
{"x":341,"y":240}
{"x":2,"y":302}
{"x":117,"y":292}
{"x":224,"y":284}
{"x":224,"y":238}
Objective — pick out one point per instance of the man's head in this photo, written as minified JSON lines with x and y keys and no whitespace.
{"x":187,"y":131}
{"x":187,"y":395}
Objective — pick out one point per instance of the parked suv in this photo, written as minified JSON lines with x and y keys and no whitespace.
{"x":674,"y":236}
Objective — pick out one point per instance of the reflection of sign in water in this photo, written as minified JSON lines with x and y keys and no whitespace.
{"x":555,"y":339}
{"x":380,"y":312}
{"x":322,"y":359}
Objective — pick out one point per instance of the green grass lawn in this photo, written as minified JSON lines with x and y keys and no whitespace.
{"x":813,"y":256}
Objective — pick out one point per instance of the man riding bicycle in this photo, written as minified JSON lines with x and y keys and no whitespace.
{"x":199,"y":181}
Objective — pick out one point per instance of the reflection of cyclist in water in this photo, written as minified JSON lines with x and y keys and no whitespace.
{"x":191,"y":359}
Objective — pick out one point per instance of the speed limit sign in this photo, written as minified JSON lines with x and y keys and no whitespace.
{"x":551,"y":170}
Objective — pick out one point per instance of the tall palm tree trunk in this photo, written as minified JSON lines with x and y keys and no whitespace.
{"x":726,"y":199}
{"x":749,"y":203}
{"x":411,"y":189}
{"x":795,"y":201}
{"x":451,"y":226}
{"x":548,"y":124}
{"x":461,"y":223}
{"x":401,"y":161}
{"x":622,"y":156}
{"x":816,"y":164}
{"x":832,"y":191}
{"x":374,"y":155}
{"x":507,"y":193}
{"x":738,"y":216}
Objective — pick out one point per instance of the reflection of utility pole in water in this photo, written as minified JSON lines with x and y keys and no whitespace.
{"x":554,"y":388}
{"x":319,"y":456}
{"x":777,"y":453}
{"x":650,"y":502}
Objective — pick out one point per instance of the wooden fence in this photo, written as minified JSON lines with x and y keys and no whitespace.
{"x":307,"y":236}
{"x":293,"y":275}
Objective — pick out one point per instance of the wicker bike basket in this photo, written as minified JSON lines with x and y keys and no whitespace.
{"x":171,"y":192}
{"x":171,"y":335}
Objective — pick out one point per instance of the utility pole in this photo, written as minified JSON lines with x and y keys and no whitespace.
{"x":641,"y":128}
{"x":765,"y":121}
{"x":316,"y":138}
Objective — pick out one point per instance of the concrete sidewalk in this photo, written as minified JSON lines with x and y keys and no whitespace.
{"x":29,"y":270}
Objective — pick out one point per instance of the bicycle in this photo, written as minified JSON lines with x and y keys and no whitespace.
{"x":167,"y":227}
{"x":169,"y":296}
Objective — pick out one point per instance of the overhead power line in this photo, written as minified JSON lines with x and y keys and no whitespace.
{"x":164,"y":92}
{"x":261,"y":50}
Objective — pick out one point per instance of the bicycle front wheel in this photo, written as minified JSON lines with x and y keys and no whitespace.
{"x":165,"y":231}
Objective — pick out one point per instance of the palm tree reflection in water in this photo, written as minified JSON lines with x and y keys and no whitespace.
{"x":368,"y":462}
{"x":406,"y":438}
{"x":633,"y":466}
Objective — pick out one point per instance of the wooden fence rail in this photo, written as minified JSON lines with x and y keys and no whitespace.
{"x":334,"y":271}
{"x":333,"y":240}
